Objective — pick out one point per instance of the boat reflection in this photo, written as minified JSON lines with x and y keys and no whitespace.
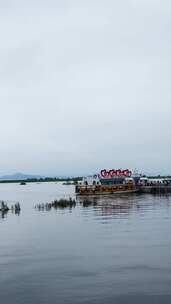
{"x":109,"y":205}
{"x":102,"y":205}
{"x":124,"y":205}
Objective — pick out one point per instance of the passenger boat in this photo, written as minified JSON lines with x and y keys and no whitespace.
{"x":109,"y":182}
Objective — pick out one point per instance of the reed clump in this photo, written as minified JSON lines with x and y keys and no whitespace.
{"x":3,"y":207}
{"x":14,"y":208}
{"x":64,"y":203}
{"x":57,"y":204}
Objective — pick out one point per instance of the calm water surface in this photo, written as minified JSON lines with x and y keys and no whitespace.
{"x":117,"y":250}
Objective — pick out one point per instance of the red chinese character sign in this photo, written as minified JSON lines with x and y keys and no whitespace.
{"x":114,"y":173}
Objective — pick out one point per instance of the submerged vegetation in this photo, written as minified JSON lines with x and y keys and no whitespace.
{"x":64,"y":203}
{"x":61,"y":203}
{"x":4,"y":209}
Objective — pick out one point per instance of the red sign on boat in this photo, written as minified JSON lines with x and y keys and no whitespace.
{"x":115,"y":173}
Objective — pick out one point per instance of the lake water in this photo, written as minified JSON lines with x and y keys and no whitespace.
{"x":117,"y":250}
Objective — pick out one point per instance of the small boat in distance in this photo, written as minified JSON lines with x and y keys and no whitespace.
{"x":23,"y":183}
{"x":109,"y":182}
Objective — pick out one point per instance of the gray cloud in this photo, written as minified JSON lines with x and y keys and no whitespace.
{"x":85,"y":85}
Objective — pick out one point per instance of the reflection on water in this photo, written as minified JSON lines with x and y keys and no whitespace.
{"x":108,"y":205}
{"x":112,"y":249}
{"x":125,"y":205}
{"x":111,"y":204}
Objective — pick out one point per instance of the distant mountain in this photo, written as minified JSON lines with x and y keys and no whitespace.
{"x":19,"y":176}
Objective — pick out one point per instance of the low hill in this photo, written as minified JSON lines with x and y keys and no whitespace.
{"x":19,"y":176}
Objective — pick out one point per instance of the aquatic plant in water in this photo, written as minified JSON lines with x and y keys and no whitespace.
{"x":61,"y":203}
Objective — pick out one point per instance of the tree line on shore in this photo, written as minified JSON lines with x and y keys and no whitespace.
{"x":43,"y":179}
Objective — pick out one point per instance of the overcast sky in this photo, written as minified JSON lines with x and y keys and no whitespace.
{"x":85,"y":85}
